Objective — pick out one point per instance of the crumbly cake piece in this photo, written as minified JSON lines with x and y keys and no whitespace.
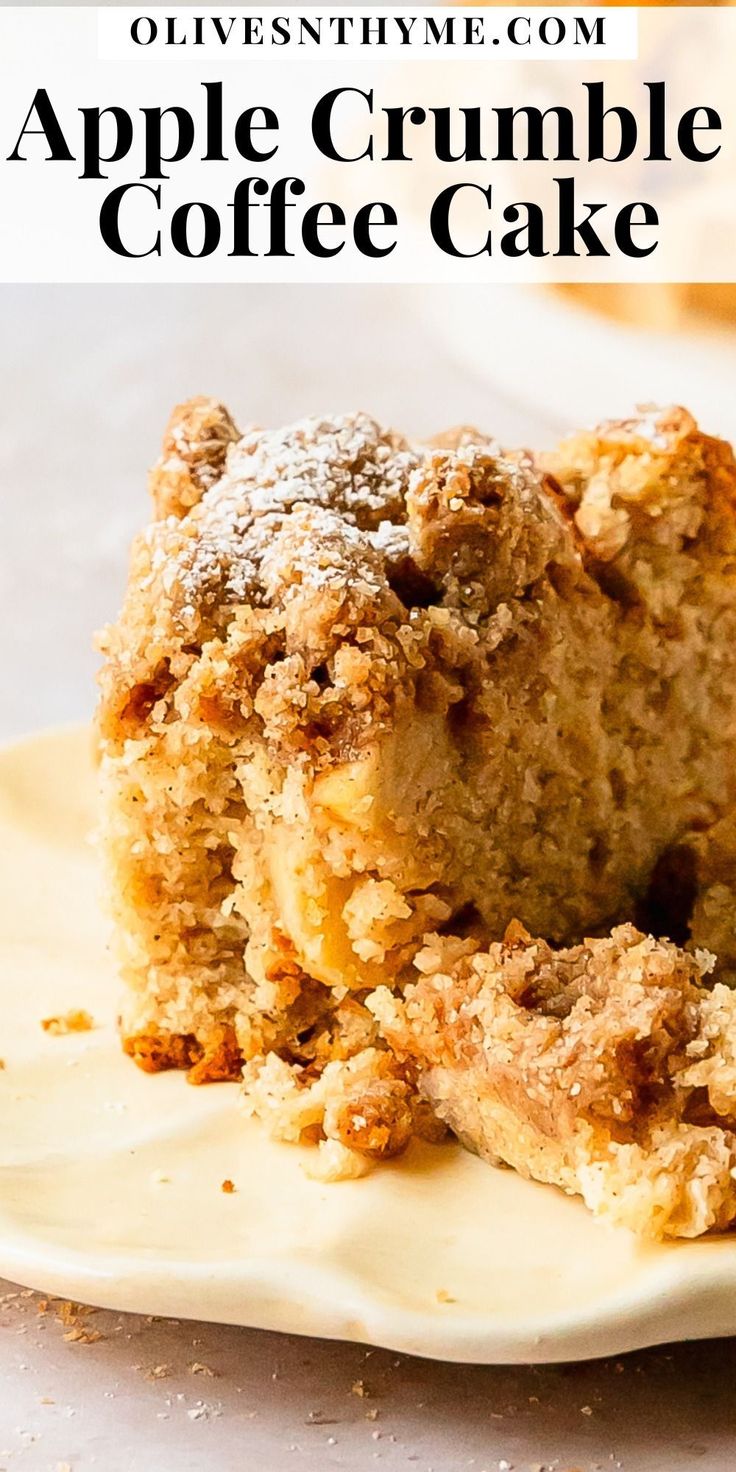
{"x":607,"y":1069}
{"x":362,"y":690}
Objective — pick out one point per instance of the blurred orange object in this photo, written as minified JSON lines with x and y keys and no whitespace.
{"x":661,"y":305}
{"x":667,"y":3}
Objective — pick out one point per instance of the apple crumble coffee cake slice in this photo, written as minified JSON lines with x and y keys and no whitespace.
{"x":363,"y":690}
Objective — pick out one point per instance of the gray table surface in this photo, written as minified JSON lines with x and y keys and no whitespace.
{"x":88,"y":378}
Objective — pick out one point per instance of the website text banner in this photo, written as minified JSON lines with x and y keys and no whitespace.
{"x":480,"y":164}
{"x":396,"y":33}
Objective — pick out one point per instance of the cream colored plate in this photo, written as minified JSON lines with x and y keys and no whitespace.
{"x":110,"y":1180}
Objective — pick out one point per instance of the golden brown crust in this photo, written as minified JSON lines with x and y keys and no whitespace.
{"x":221,"y":1060}
{"x":215,"y":1059}
{"x":158,"y":1052}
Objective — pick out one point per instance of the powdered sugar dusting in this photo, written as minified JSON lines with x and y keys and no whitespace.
{"x":245,"y":530}
{"x":346,"y":462}
{"x":390,"y":540}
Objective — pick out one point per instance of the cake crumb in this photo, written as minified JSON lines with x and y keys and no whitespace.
{"x":444,"y":1297}
{"x":75,"y":1021}
{"x":204,"y":1411}
{"x":70,"y":1313}
{"x":79,"y":1335}
{"x":197,"y":1368}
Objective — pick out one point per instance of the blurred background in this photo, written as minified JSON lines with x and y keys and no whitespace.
{"x":90,"y":374}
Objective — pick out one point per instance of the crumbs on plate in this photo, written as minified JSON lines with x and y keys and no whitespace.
{"x":74,"y":1021}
